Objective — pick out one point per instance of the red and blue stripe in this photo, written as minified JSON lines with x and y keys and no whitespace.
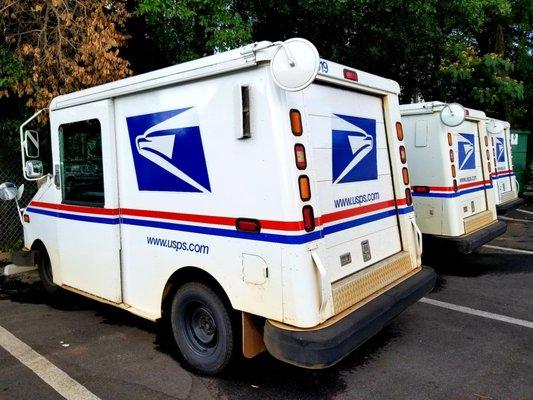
{"x":449,"y":191}
{"x":287,"y":232}
{"x":502,"y":174}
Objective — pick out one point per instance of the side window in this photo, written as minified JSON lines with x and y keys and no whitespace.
{"x":82,"y":174}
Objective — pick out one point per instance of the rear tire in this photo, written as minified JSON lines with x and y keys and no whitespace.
{"x":45,"y":273}
{"x":202,"y":328}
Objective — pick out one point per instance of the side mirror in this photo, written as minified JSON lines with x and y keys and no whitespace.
{"x":494,"y":127}
{"x":453,"y":114}
{"x":31,"y":144}
{"x":8,"y":191}
{"x":34,"y":168}
{"x":294,"y":65}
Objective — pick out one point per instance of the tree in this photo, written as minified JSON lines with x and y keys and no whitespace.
{"x":482,"y":81}
{"x":477,"y":52}
{"x":59,"y":46}
{"x":478,"y":65}
{"x":182,"y":30}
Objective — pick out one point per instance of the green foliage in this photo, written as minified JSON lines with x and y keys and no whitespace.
{"x":16,"y":245}
{"x":10,"y":140}
{"x":184,"y":30}
{"x":12,"y":70}
{"x":481,"y":81}
{"x":477,"y":52}
{"x":12,"y":114}
{"x":480,"y":64}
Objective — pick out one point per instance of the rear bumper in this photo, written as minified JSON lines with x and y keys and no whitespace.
{"x":464,"y":244}
{"x":508,"y":205}
{"x":324,"y":347}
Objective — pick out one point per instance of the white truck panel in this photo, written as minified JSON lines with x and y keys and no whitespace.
{"x":505,"y":182}
{"x":351,"y":161}
{"x":470,"y":169}
{"x":160,"y":214}
{"x":442,"y":210}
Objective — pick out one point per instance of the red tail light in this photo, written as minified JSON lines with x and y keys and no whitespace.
{"x":299,"y":155}
{"x":309,"y":218}
{"x":421,"y":189}
{"x":408,"y":197}
{"x":350,"y":75}
{"x":248,"y":225}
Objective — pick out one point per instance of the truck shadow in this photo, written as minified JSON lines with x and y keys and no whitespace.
{"x":480,"y":263}
{"x":21,"y":290}
{"x":26,"y":290}
{"x":265,"y":376}
{"x":261,"y":376}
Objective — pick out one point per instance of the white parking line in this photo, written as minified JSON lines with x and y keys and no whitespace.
{"x":479,"y":313}
{"x":44,"y":369}
{"x":513,"y":219}
{"x":489,"y":246}
{"x":524,"y":211}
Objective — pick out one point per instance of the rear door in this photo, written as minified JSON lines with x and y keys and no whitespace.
{"x":470,"y":169}
{"x":503,"y":162}
{"x":354,"y":182}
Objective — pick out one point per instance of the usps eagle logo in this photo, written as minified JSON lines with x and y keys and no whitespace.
{"x":500,"y":150}
{"x":167,"y":151}
{"x":354,"y":153}
{"x":467,"y":155}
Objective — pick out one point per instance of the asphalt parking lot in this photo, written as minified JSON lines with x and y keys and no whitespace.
{"x":429,"y":351}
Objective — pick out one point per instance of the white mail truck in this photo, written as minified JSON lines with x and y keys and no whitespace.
{"x":258,"y":198}
{"x":505,"y":182}
{"x":450,"y":159}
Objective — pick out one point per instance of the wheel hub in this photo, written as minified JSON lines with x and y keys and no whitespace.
{"x":202,"y":327}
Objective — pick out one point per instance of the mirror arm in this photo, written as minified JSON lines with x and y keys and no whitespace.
{"x":19,"y":212}
{"x":290,"y":58}
{"x":23,"y":144}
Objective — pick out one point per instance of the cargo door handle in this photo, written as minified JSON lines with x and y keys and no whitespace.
{"x":517,"y":184}
{"x":418,"y":240}
{"x":323,"y":283}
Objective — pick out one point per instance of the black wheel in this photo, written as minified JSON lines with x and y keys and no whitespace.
{"x":45,"y":273}
{"x":202,"y":328}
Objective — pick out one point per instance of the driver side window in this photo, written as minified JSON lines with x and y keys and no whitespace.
{"x":82,"y":173}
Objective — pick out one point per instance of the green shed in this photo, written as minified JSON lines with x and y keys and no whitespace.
{"x":519,"y":148}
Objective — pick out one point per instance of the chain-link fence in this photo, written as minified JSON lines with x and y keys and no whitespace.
{"x":11,"y":237}
{"x":10,"y":227}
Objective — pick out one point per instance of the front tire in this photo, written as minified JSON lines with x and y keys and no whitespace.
{"x":45,"y":273}
{"x":202,"y":328}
